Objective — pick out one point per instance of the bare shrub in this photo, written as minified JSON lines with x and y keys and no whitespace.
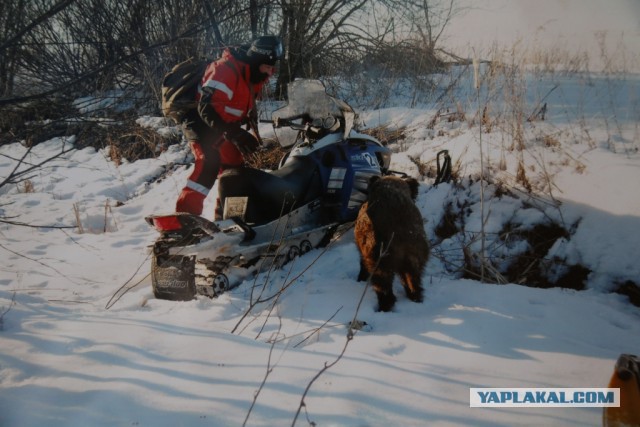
{"x":26,"y":186}
{"x":127,"y":141}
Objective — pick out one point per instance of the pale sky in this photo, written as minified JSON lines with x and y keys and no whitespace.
{"x":570,"y":24}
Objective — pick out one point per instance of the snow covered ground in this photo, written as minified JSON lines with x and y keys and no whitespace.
{"x":68,"y":360}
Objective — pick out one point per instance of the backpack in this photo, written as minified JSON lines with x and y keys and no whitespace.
{"x":180,"y":86}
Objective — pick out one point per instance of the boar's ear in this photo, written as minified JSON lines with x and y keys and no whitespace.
{"x":413,"y":187}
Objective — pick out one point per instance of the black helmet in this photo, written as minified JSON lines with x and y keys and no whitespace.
{"x":265,"y":50}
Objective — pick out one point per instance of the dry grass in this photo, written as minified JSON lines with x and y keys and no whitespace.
{"x":132,"y":142}
{"x":26,"y":186}
{"x":386,"y":134}
{"x":268,"y":157}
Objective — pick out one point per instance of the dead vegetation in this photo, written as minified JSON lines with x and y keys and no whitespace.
{"x":519,"y":252}
{"x":387,"y":134}
{"x":130,"y":142}
{"x":268,"y":157}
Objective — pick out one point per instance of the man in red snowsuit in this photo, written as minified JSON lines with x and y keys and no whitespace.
{"x":225,"y":102}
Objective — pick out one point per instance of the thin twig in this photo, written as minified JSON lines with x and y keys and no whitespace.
{"x":264,"y":379}
{"x":117,"y":295}
{"x":289,"y":284}
{"x":327,"y":366}
{"x":11,"y":304}
{"x":36,"y":261}
{"x":349,"y":337}
{"x":276,"y":255}
{"x":319,"y":328}
{"x":24,"y":224}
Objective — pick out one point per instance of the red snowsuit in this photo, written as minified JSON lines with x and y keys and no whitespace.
{"x":225,"y":100}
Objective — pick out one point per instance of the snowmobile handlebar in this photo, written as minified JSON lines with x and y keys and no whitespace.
{"x":282,"y":122}
{"x":329,"y":123}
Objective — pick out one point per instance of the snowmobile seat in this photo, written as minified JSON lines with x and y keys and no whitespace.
{"x":271,"y":194}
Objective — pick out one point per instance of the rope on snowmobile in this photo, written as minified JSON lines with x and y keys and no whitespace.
{"x":444,"y":170}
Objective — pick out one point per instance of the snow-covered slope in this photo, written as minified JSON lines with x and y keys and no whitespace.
{"x":67,"y":360}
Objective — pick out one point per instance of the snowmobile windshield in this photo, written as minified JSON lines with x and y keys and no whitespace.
{"x":310,"y":103}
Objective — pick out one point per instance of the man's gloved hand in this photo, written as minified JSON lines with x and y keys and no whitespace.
{"x":243,"y":140}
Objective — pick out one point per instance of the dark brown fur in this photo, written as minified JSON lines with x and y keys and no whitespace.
{"x":389,"y":223}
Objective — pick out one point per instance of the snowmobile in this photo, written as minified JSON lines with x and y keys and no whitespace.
{"x":319,"y":186}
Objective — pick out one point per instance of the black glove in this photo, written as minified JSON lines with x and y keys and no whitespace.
{"x":243,"y":140}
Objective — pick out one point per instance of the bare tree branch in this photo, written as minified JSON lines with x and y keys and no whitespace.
{"x":51,"y":12}
{"x":266,"y":375}
{"x":349,"y":337}
{"x":11,"y":304}
{"x":33,"y":260}
{"x":286,"y":285}
{"x":24,"y":224}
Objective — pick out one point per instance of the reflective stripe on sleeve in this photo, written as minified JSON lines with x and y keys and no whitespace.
{"x":214,"y":84}
{"x":233,"y":111}
{"x":197,"y":187}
